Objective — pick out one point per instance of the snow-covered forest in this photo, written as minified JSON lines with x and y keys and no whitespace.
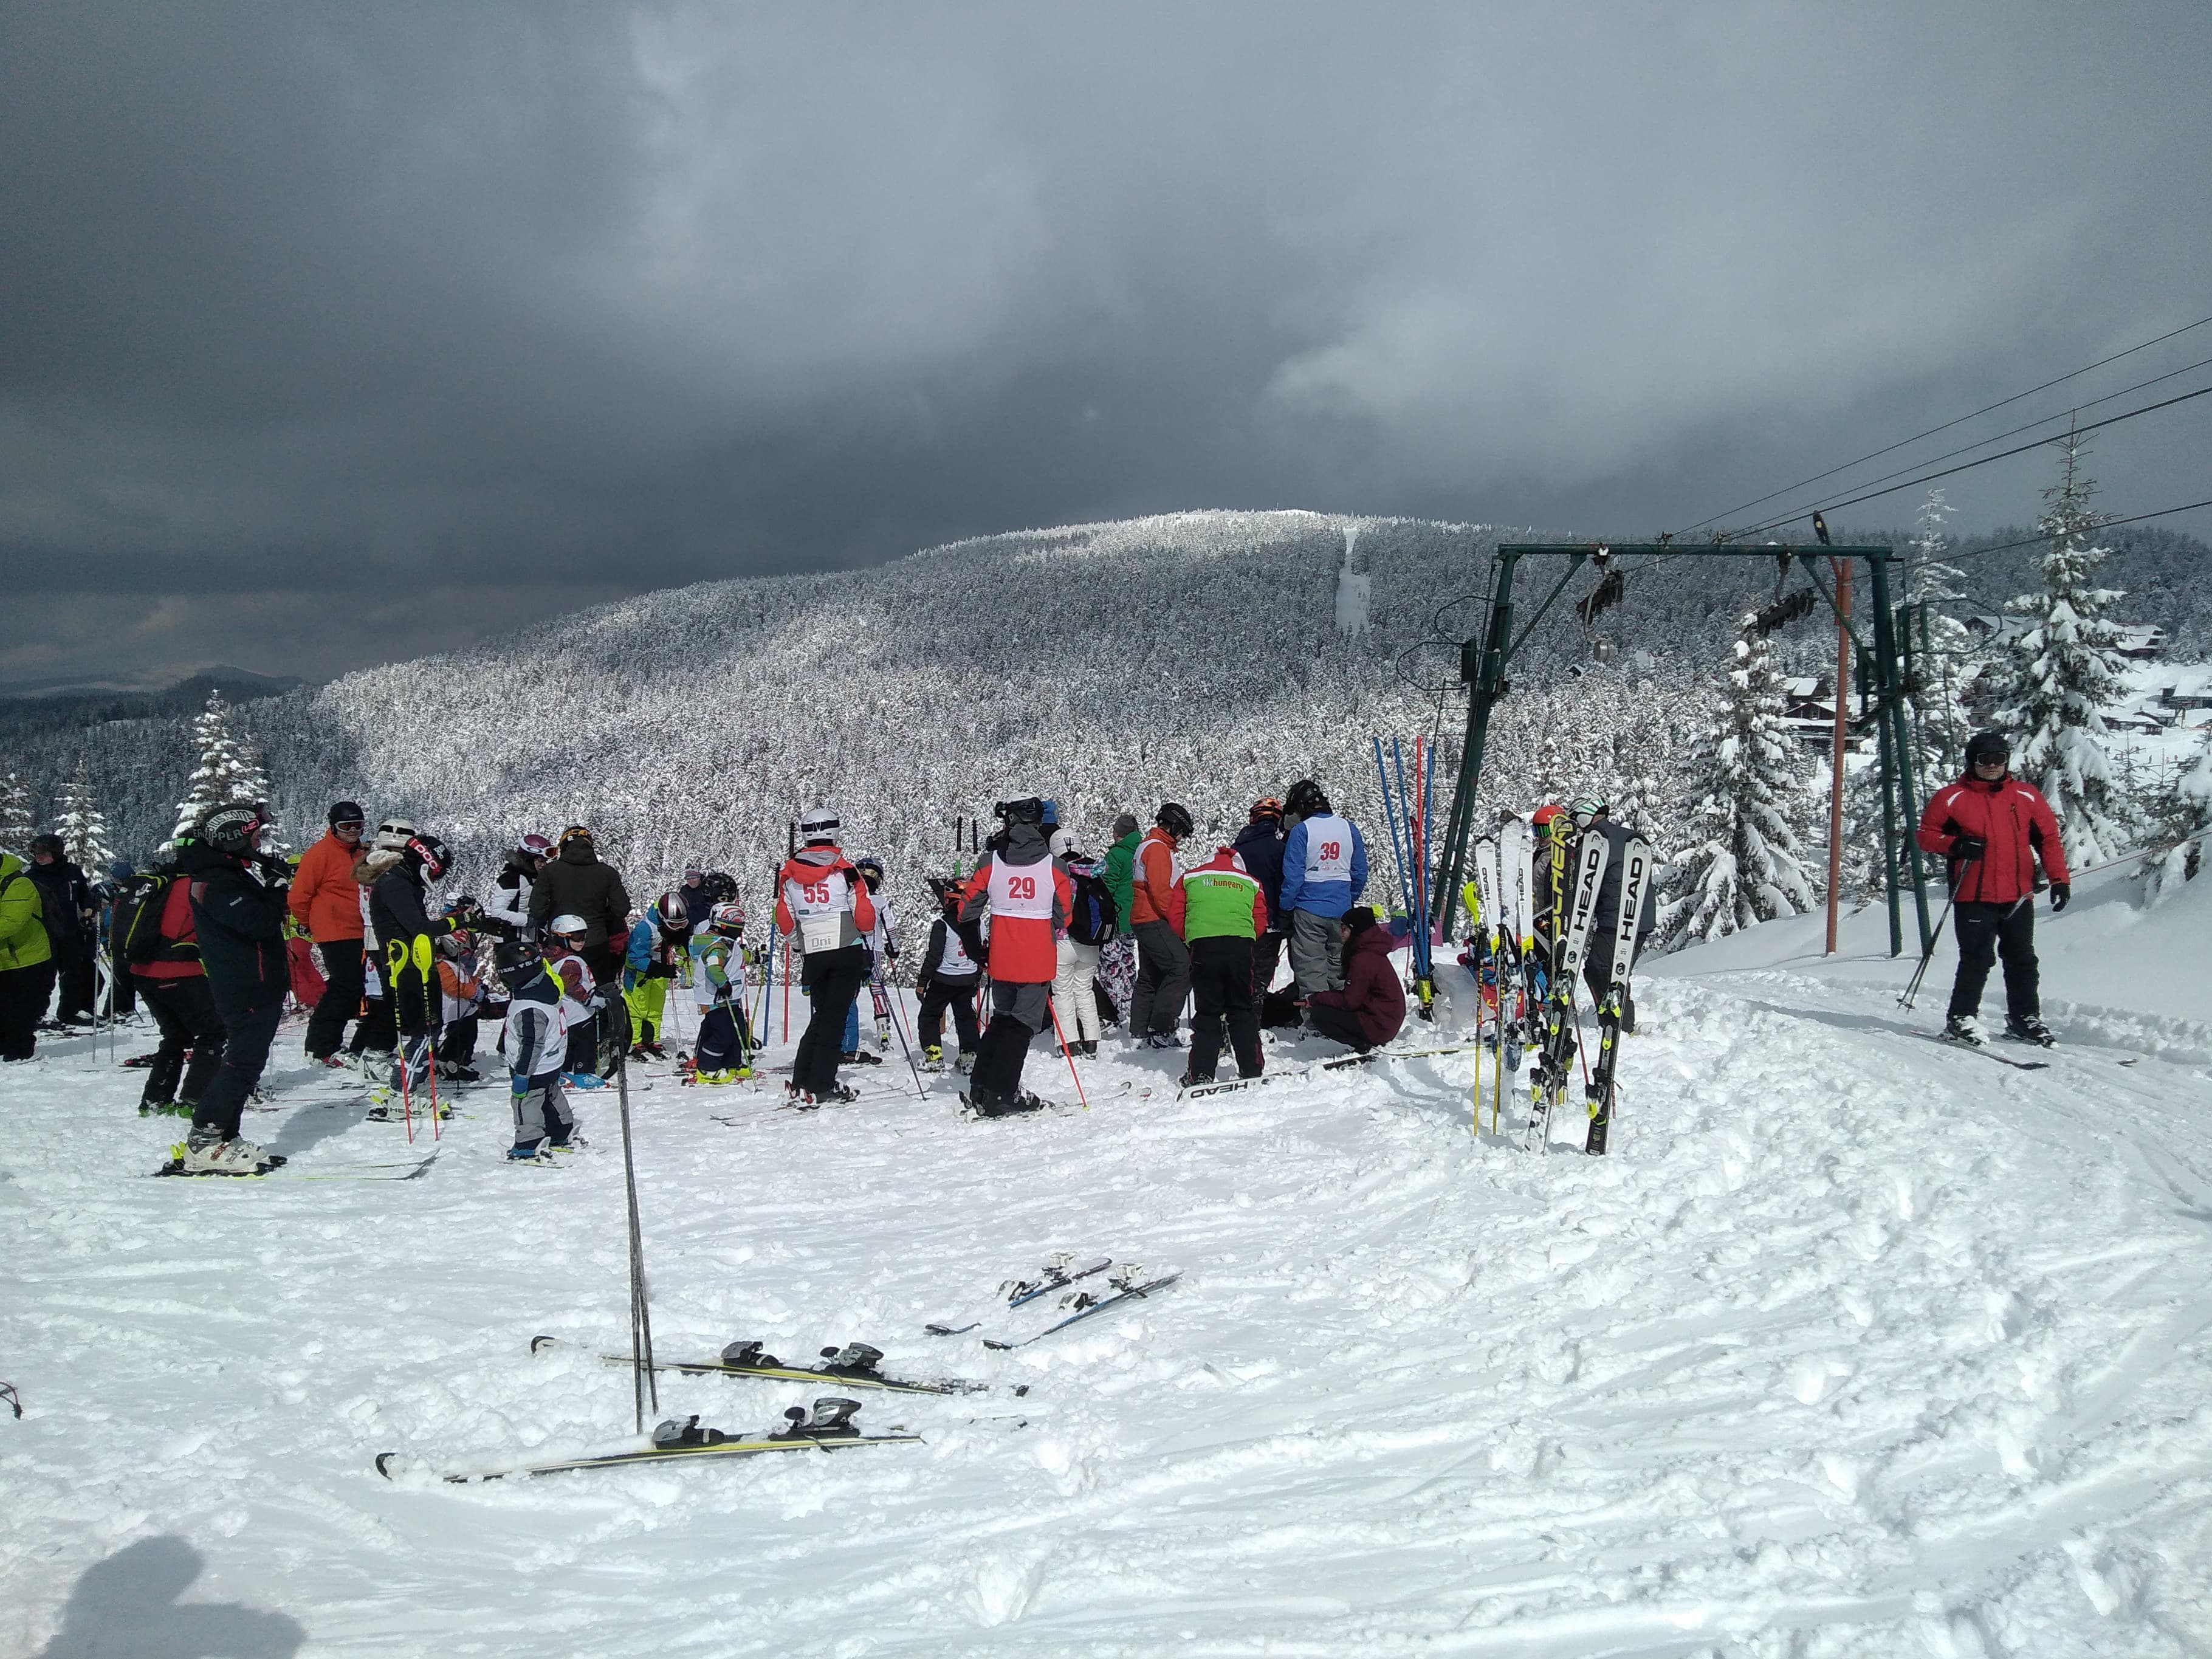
{"x":1206,"y":657}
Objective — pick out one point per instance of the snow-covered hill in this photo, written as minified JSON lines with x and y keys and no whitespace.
{"x":1857,"y":1346}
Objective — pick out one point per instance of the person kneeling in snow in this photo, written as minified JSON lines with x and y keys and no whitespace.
{"x":536,"y":1045}
{"x":1368,"y":1011}
{"x":723,"y":1054}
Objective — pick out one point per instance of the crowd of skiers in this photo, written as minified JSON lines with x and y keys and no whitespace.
{"x":1041,"y":937}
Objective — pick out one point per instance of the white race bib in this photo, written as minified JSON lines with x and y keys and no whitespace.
{"x":821,"y":930}
{"x":1022,"y":889}
{"x":1328,"y":848}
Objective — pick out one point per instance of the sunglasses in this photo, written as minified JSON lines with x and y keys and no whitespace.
{"x":1993,"y":760}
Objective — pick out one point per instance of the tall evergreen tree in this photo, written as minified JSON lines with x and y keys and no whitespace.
{"x":2062,"y":669}
{"x":2185,"y":812}
{"x":81,"y":826}
{"x":17,"y":823}
{"x":1944,"y":648}
{"x":228,"y":768}
{"x":1744,"y":862}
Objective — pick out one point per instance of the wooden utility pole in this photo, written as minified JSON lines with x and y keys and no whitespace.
{"x":1841,"y":569}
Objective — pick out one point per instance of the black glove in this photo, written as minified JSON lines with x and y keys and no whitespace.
{"x":2062,"y":894}
{"x":1964,"y":849}
{"x":663,"y":970}
{"x":921,"y":984}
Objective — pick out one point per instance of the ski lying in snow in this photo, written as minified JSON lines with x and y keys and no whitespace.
{"x":1087,"y":1306}
{"x":853,"y":1366}
{"x":828,"y":1427}
{"x":1341,"y":1063}
{"x":1054,"y":1275}
{"x":273,"y":1169}
{"x":1979,"y":1048}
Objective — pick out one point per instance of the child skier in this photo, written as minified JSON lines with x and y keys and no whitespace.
{"x":882,"y":957}
{"x":537,"y":1046}
{"x":581,"y":999}
{"x":657,"y":939}
{"x":462,"y":986}
{"x":948,"y":979}
{"x":724,"y":1050}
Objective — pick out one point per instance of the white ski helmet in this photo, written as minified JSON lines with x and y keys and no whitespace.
{"x":818,"y":826}
{"x":393,"y":835}
{"x":568,"y":928}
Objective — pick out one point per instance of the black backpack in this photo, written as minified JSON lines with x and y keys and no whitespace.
{"x":1096,"y":916}
{"x":136,"y":926}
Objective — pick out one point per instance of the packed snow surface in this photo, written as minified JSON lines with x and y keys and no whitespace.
{"x":1857,"y":1345}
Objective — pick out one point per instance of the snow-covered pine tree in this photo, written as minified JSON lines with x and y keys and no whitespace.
{"x":17,"y":826}
{"x":1945,"y":660}
{"x":81,"y":826}
{"x":2058,"y":674}
{"x":2185,"y":810}
{"x":1744,"y":862}
{"x":228,"y":768}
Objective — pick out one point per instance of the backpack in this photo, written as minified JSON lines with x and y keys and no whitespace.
{"x":1095,"y":916}
{"x":136,"y":926}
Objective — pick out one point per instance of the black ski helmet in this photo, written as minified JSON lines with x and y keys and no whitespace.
{"x":1303,"y":800}
{"x":1986,"y":745}
{"x":871,"y":870}
{"x":1031,"y":811}
{"x":433,"y":855}
{"x":1174,"y":818}
{"x":231,"y":828}
{"x":346,"y":812}
{"x":516,"y":957}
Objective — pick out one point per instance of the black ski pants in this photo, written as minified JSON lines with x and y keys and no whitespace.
{"x":833,"y":989}
{"x":185,"y":1010}
{"x":127,"y":983}
{"x":23,"y":993}
{"x":1018,"y":1013}
{"x":959,"y":996}
{"x":343,"y":978}
{"x":1163,"y":981}
{"x":74,"y":970}
{"x":1266,"y":956}
{"x":247,"y":1033}
{"x":378,"y":1032}
{"x":1221,"y":990}
{"x":1985,"y":933}
{"x":1340,"y":1024}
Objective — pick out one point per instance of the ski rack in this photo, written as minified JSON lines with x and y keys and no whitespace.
{"x":1882,"y":666}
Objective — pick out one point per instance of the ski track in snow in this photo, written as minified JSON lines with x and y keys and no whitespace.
{"x":1856,"y":1344}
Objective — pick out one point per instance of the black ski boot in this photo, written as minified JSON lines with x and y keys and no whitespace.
{"x":1963,"y":1028}
{"x":2029,"y":1029}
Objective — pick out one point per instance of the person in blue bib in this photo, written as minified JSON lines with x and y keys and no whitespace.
{"x":1324,"y":873}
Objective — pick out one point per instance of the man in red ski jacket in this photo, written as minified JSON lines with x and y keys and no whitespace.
{"x":1028,"y":898}
{"x":1992,"y":826}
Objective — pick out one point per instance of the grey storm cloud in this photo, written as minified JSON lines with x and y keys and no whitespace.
{"x":330,"y":333}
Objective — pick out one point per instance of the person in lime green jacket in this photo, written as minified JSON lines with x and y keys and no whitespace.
{"x":27,"y":961}
{"x":1223,"y":912}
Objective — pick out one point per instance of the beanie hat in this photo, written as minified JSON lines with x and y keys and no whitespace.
{"x":1359,"y":918}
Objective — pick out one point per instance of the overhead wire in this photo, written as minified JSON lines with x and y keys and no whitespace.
{"x":1949,"y":557}
{"x":1986,"y":408}
{"x":1968,"y":466}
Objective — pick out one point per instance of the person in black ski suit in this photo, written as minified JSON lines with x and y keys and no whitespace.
{"x":1260,"y":844}
{"x":575,"y":884}
{"x":67,"y":902}
{"x":238,"y":905}
{"x":1589,"y":813}
{"x":406,"y":932}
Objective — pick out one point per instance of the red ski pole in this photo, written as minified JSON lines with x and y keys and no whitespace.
{"x":1065,"y":1053}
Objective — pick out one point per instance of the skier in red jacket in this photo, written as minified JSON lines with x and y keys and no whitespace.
{"x":1992,"y":826}
{"x":1026,"y":894}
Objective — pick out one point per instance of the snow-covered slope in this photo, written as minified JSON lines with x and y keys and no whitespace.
{"x":1858,"y":1345}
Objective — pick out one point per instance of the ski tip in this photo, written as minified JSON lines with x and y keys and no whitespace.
{"x":383,"y":1462}
{"x":539,"y":1343}
{"x":1000,"y":1346}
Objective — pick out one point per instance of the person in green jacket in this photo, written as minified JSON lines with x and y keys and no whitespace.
{"x":27,"y":961}
{"x":1223,"y":911}
{"x":1117,"y":957}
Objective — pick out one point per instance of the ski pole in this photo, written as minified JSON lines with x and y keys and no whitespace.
{"x":1066,"y":1054}
{"x":1912,"y":987}
{"x":920,"y":1088}
{"x":645,"y":1385}
{"x":420,"y":953}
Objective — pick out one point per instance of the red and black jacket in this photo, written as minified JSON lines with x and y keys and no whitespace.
{"x":2013,"y":818}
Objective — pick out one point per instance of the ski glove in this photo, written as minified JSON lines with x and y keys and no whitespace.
{"x":1966,"y":848}
{"x":2061,"y":893}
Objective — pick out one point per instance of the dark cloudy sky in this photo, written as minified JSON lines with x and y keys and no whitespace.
{"x":335,"y":333}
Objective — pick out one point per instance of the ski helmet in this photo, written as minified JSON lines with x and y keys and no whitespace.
{"x":1986,"y":745}
{"x":576,"y":832}
{"x":673,"y":911}
{"x":534,"y":847}
{"x":569,"y":928}
{"x":1062,"y":845}
{"x":728,"y":919}
{"x":463,"y":910}
{"x":457,"y":945}
{"x":516,"y":957}
{"x":1305,"y":799}
{"x":435,"y":856}
{"x":1266,"y":809}
{"x":232,"y":829}
{"x":871,"y":870}
{"x":393,"y":835}
{"x":1544,"y":814}
{"x":1585,"y":808}
{"x":1176,"y":819}
{"x":818,"y":826}
{"x":1028,"y":811}
{"x":346,"y":812}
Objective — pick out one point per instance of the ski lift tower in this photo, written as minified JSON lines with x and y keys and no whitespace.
{"x":1483,"y":663}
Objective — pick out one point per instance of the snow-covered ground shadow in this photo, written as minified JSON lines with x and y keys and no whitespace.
{"x":129,"y":1605}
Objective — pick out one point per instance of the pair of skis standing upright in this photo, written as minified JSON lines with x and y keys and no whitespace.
{"x":1541,"y":975}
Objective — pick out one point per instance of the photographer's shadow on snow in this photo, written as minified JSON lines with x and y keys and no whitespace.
{"x":127,"y":1605}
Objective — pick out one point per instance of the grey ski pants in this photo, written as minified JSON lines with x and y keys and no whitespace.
{"x":1316,"y":953}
